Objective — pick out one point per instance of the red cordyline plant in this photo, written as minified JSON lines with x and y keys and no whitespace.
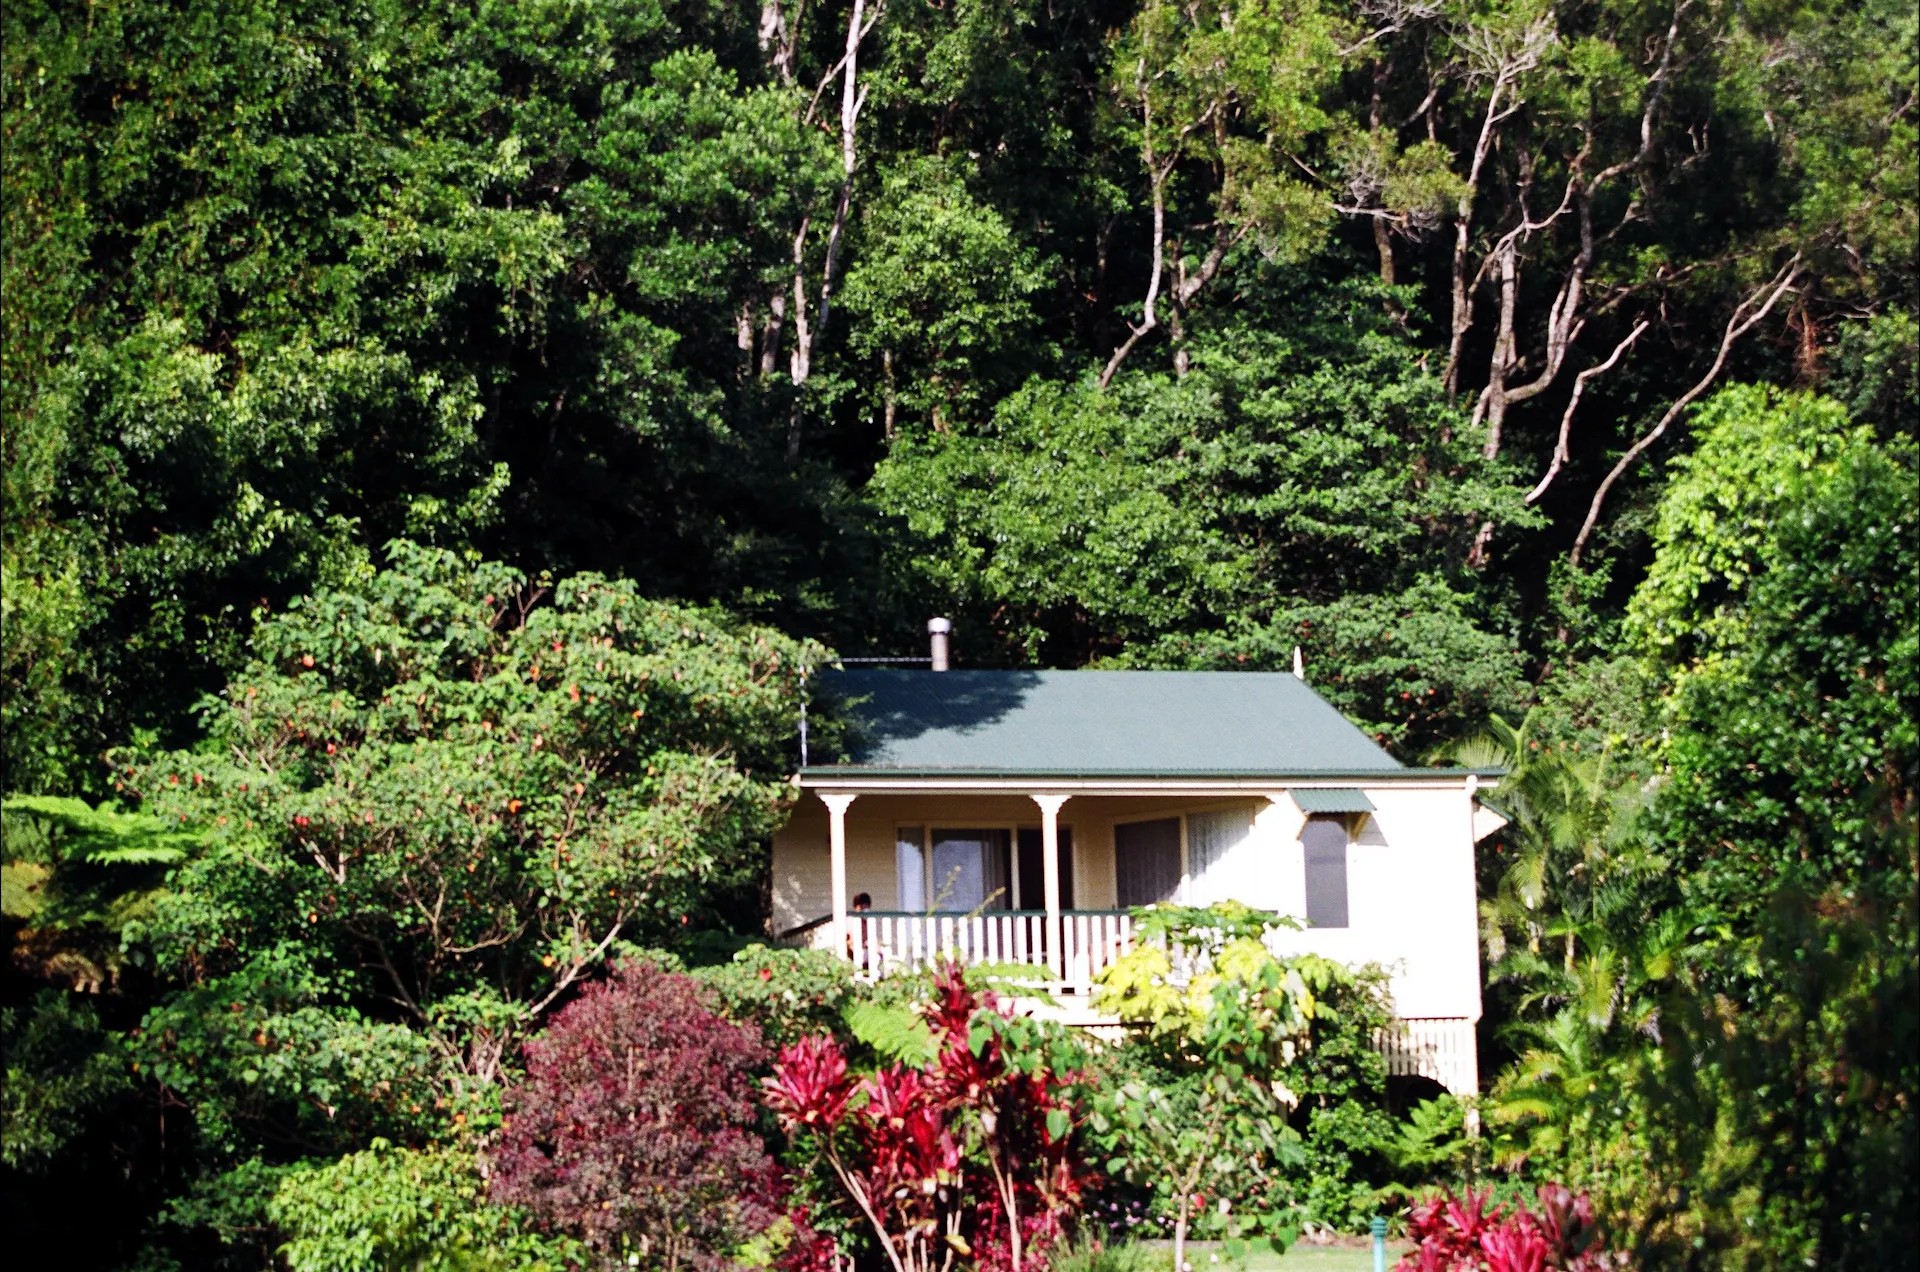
{"x":1467,"y":1234}
{"x":633,"y":1127}
{"x":969,"y":1156}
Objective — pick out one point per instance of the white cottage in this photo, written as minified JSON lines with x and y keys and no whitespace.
{"x":1019,"y":815}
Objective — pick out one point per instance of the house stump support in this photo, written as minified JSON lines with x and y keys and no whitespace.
{"x":837,"y":805}
{"x":1050,"y":870}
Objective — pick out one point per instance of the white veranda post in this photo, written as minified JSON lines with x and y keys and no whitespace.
{"x":1050,"y":869}
{"x":837,"y":806}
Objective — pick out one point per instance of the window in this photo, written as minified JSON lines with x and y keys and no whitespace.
{"x":969,"y":870}
{"x":910,"y":867}
{"x":1325,"y":841}
{"x":1032,"y":870}
{"x":1213,"y":841}
{"x":1146,"y":861}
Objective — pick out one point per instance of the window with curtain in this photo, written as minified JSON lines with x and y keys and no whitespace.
{"x":1213,"y":840}
{"x":1146,"y":861}
{"x":969,"y":870}
{"x":1325,"y":841}
{"x":910,"y":867}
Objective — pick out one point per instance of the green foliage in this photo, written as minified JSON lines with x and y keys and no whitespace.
{"x":1789,"y":817}
{"x":789,"y":994}
{"x":1568,"y":845}
{"x":1757,"y":452}
{"x":473,"y":783}
{"x":1822,"y":610}
{"x":1194,"y":1143}
{"x":62,"y":1070}
{"x":105,"y":836}
{"x":1278,"y":476}
{"x":1411,"y":668}
{"x":1203,"y":981}
{"x":941,"y":296}
{"x":1433,"y":1143}
{"x":1088,"y":1254}
{"x":287,"y":282}
{"x":274,"y":1051}
{"x":1757,"y":923}
{"x":387,"y":1207}
{"x":78,"y":878}
{"x":527,"y":283}
{"x":1231,"y":90}
{"x":435,"y":801}
{"x":898,"y":1034}
{"x":1193,"y":1113}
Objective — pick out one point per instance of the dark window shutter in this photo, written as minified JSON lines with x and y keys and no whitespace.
{"x":997,"y":853}
{"x":1325,"y":839}
{"x":1146,"y":859}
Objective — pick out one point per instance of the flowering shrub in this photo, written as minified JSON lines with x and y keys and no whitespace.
{"x":970,"y":1155}
{"x":1466,"y":1234}
{"x":633,"y":1127}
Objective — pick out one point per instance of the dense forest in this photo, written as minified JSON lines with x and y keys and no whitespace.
{"x":1545,"y":371}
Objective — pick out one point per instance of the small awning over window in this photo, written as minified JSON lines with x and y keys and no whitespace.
{"x":1338,"y":800}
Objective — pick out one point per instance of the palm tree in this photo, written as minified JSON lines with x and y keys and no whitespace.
{"x":1566,"y":819}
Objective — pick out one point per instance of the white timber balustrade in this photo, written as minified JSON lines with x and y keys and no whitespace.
{"x":1073,"y":947}
{"x":1093,"y":941}
{"x":1440,"y":1048}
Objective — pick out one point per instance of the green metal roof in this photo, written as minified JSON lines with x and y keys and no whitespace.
{"x":1138,"y":723}
{"x":1332,"y":799}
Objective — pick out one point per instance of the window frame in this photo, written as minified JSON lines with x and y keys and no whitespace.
{"x":926,"y":827}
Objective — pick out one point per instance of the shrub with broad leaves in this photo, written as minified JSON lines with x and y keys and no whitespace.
{"x":968,"y":1156}
{"x":633,"y":1129}
{"x":1467,"y":1233}
{"x":787,"y":993}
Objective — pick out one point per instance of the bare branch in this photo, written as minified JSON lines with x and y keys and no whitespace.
{"x":578,"y":966}
{"x":853,"y":98}
{"x":1560,"y":453}
{"x":1743,"y":319}
{"x":1158,"y":175}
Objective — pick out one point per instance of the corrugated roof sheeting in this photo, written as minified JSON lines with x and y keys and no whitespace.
{"x":1162,"y":722}
{"x":1331,"y":800}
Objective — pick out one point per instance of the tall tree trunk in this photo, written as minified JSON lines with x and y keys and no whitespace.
{"x":1462,"y":231}
{"x":1149,"y":320}
{"x":886,"y":367}
{"x":1383,"y":244}
{"x":853,"y":96}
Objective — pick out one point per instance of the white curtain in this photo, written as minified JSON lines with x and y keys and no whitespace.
{"x":910,"y":865}
{"x":969,"y":870}
{"x":1215,"y":862}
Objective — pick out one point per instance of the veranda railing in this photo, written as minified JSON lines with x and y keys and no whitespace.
{"x":879,"y":941}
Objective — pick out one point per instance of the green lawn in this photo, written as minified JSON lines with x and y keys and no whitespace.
{"x":1301,"y":1257}
{"x":1310,"y":1258}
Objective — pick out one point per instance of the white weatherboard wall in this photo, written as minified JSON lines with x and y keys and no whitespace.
{"x":1411,"y":900}
{"x":1412,"y":906}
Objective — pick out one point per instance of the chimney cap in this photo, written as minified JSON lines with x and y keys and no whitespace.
{"x":938,"y":626}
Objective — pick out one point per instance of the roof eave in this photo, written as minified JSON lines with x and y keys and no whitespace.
{"x":833,"y":774}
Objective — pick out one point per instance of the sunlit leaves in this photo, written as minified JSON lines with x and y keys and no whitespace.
{"x":461,"y":774}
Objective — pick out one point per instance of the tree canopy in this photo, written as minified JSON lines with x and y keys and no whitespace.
{"x":437,"y":444}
